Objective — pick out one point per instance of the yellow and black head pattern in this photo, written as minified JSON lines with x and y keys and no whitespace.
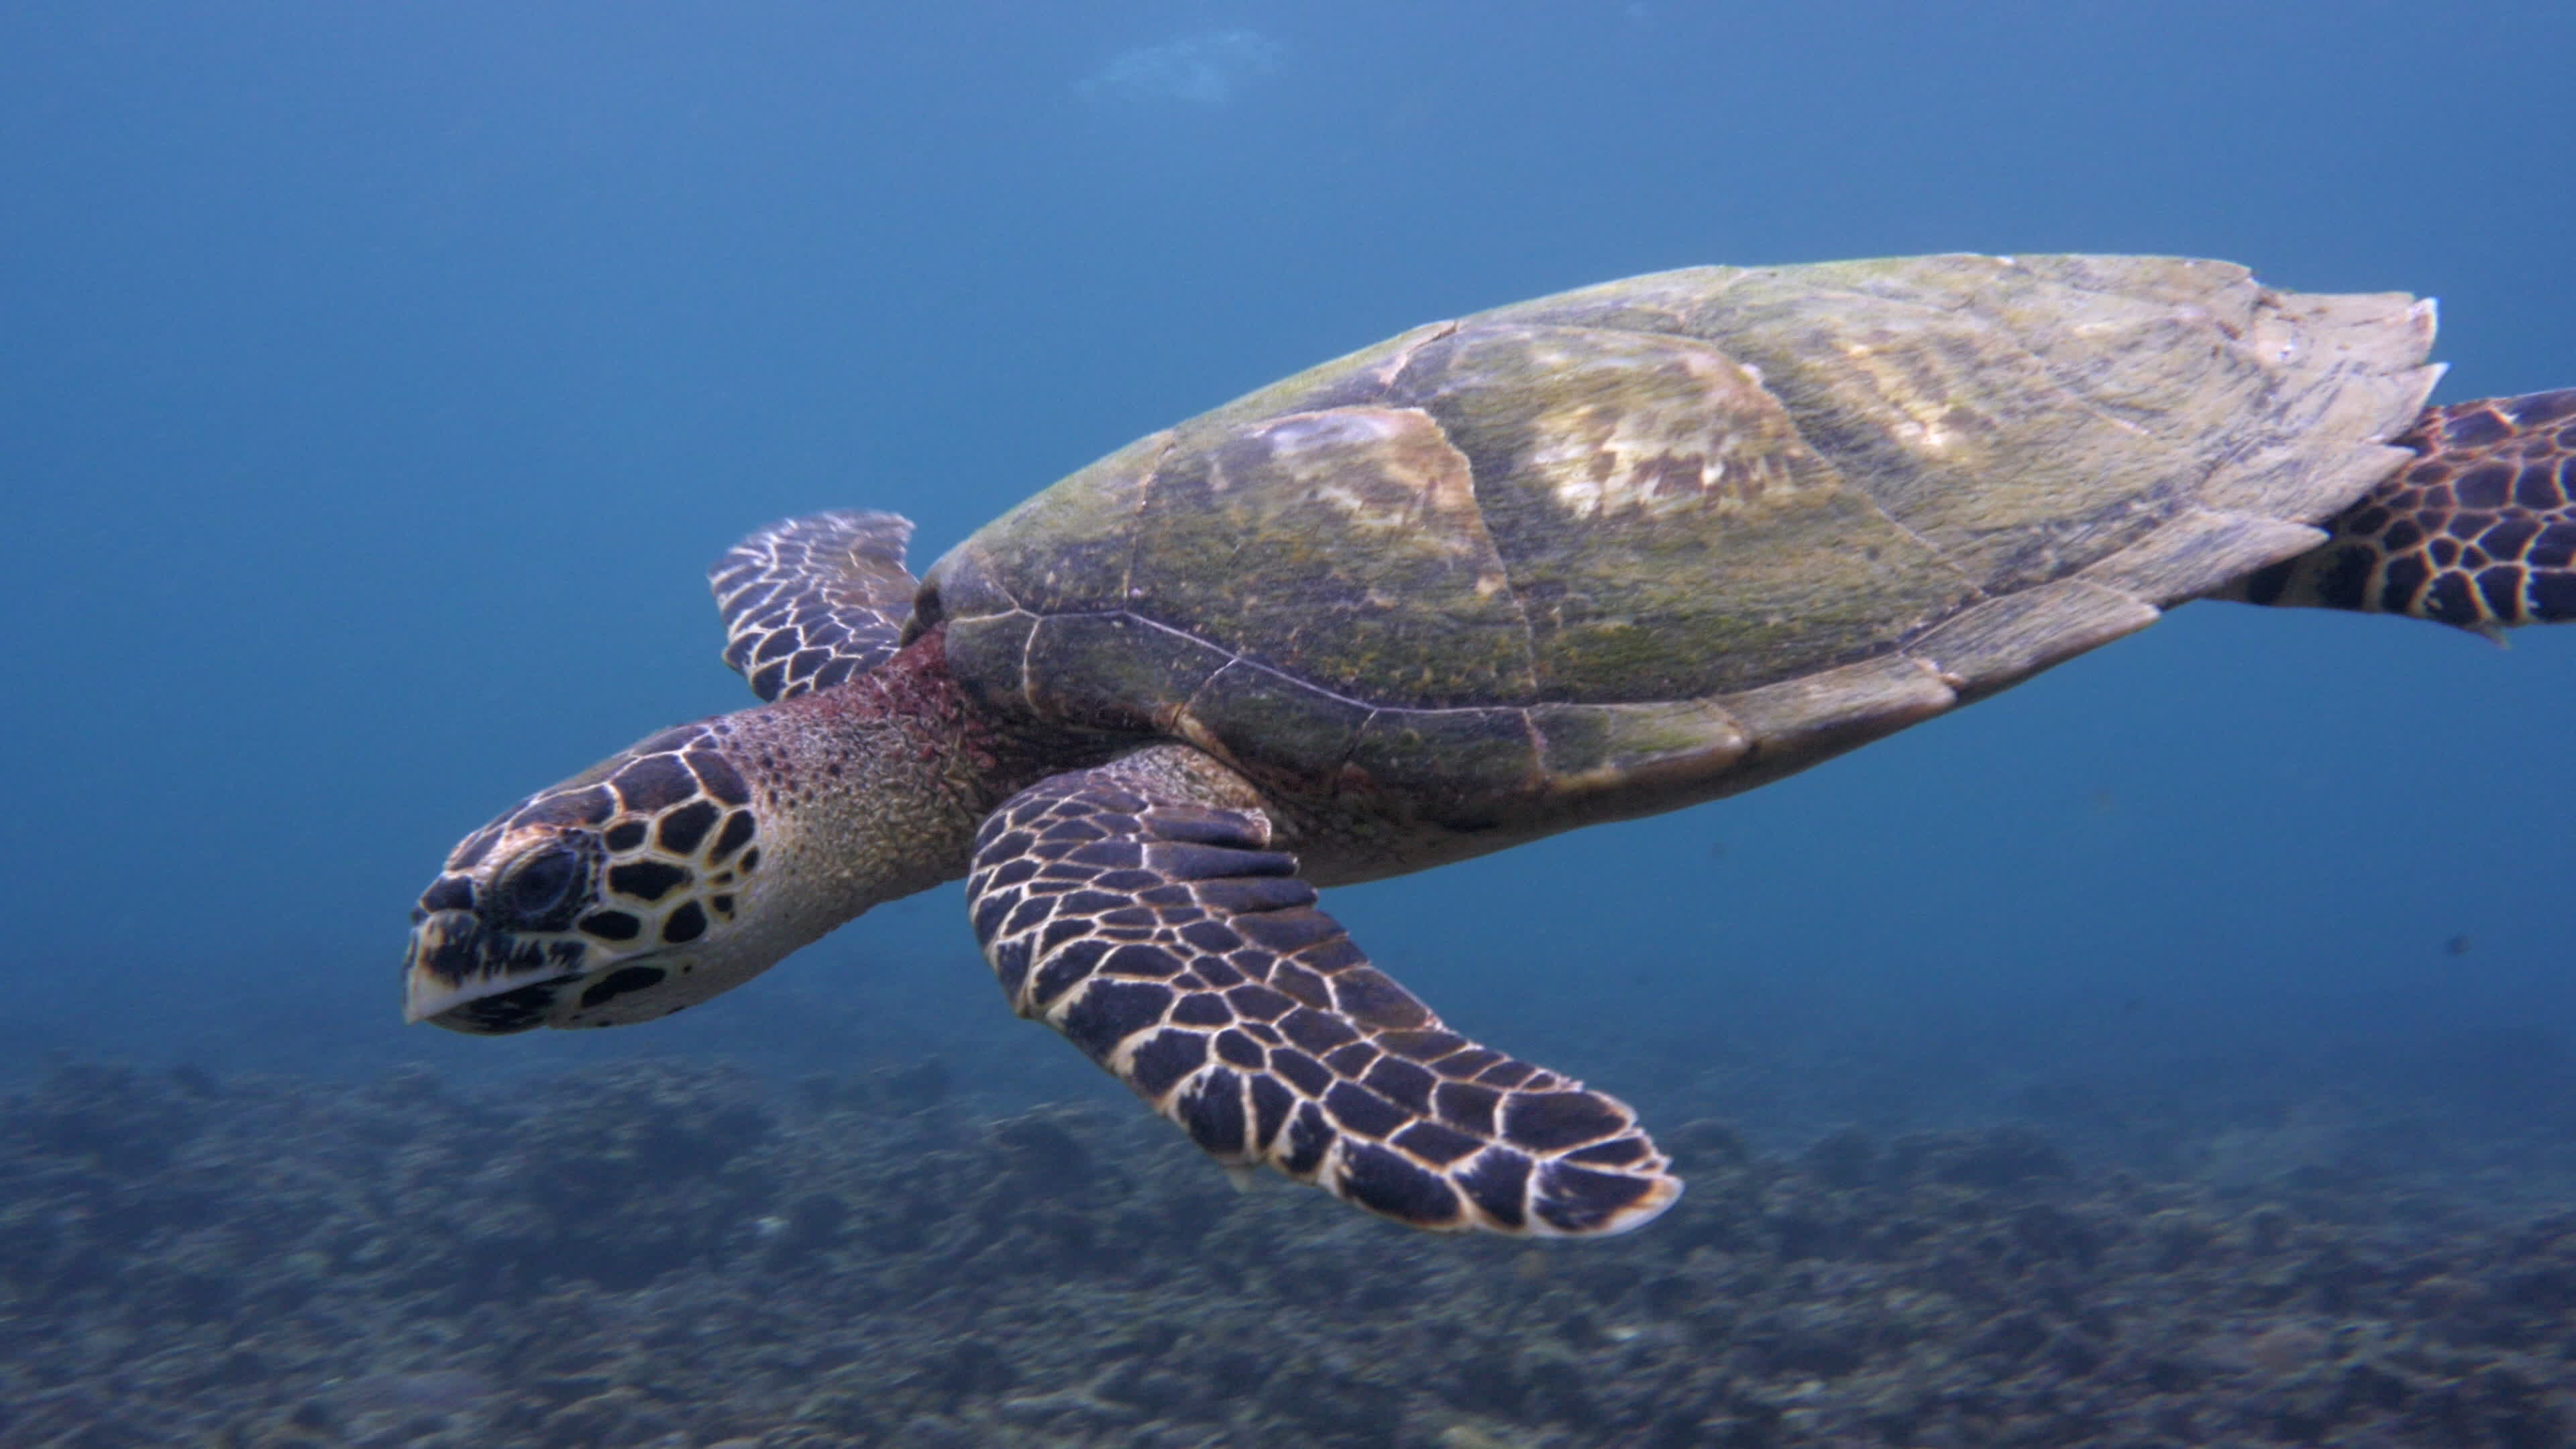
{"x":597,"y":902}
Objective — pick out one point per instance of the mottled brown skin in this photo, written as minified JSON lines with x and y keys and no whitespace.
{"x":2480,"y":532}
{"x":1588,"y":557}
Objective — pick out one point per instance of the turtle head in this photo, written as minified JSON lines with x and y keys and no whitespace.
{"x":620,"y":895}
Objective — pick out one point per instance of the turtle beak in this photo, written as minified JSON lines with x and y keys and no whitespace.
{"x":468,"y":978}
{"x":443,"y":958}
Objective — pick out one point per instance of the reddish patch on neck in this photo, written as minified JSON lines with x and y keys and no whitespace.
{"x":913,"y":685}
{"x":914,"y":692}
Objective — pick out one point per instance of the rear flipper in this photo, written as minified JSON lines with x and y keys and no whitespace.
{"x":2479,"y":532}
{"x":1135,"y":908}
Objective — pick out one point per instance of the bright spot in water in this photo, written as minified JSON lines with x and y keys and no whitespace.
{"x":1203,"y":69}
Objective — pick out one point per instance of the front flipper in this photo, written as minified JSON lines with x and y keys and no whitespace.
{"x":1135,"y":908}
{"x":809,"y":602}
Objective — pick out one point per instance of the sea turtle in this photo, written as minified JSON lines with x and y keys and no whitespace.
{"x":1590,"y":557}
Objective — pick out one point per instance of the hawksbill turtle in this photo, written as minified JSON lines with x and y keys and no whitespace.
{"x":1603,"y":554}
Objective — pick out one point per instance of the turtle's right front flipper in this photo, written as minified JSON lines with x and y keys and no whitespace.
{"x":2479,"y":531}
{"x":1136,"y":908}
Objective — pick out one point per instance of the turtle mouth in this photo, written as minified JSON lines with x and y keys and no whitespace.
{"x":461,"y":974}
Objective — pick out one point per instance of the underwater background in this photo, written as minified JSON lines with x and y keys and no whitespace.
{"x":376,"y":383}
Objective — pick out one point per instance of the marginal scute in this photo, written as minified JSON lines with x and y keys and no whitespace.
{"x":2360,"y":382}
{"x":1262,"y":718}
{"x":1449,"y":754}
{"x":2005,"y":640}
{"x":1832,"y":710}
{"x":1597,"y":746}
{"x":2194,"y":550}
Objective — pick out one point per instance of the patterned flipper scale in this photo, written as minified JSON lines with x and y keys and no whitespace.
{"x":2480,"y":531}
{"x":1157,"y":932}
{"x":812,"y":601}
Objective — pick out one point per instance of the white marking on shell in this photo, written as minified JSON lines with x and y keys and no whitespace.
{"x":1917,"y":421}
{"x":1386,"y":470}
{"x":1401,"y":495}
{"x":1674,"y":449}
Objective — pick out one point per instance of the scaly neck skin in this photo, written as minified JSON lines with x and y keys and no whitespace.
{"x":869,"y":792}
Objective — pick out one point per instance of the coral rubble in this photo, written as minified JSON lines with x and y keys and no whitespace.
{"x":661,"y":1255}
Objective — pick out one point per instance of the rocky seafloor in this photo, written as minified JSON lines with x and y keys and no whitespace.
{"x":680,"y":1256}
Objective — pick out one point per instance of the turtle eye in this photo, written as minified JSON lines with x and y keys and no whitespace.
{"x":533,"y":893}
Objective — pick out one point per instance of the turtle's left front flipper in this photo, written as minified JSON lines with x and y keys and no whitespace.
{"x":1136,"y":908}
{"x":810,"y":602}
{"x":2478,"y":531}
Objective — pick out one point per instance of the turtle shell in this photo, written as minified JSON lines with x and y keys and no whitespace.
{"x":1668,"y":537}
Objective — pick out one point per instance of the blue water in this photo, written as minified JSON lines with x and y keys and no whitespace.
{"x":376,"y":381}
